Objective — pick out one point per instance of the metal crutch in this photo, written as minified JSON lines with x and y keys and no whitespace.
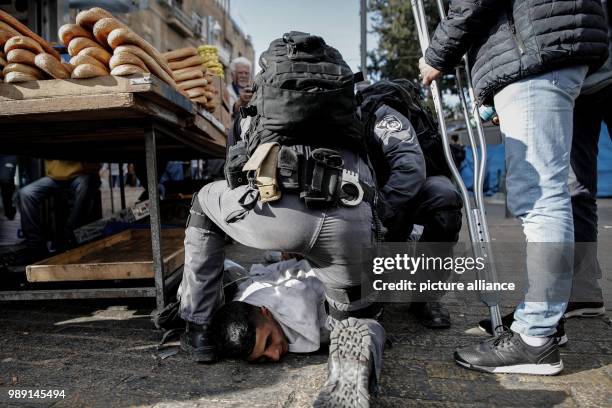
{"x":475,"y":210}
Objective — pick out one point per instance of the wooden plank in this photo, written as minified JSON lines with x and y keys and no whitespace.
{"x":122,"y":256}
{"x":12,"y":110}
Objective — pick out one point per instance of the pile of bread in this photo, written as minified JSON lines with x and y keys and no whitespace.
{"x":210,"y":57}
{"x":99,"y":45}
{"x":26,"y":56}
{"x":192,"y":78}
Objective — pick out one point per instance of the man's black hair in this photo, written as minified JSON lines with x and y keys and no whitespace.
{"x":233,"y":329}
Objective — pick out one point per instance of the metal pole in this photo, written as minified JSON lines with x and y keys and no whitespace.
{"x":110,"y":185}
{"x":158,"y":265}
{"x":121,"y":186}
{"x":475,"y":214}
{"x":364,"y":39}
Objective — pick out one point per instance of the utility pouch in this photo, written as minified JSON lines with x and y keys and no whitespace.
{"x":264,"y":162}
{"x":322,"y":179}
{"x":288,"y":168}
{"x":236,"y":159}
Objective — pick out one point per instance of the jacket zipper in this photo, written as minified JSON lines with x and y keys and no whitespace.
{"x":519,"y":42}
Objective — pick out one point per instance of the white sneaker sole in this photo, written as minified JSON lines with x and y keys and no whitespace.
{"x":586,"y":312}
{"x":348,"y":385}
{"x":532,"y":369}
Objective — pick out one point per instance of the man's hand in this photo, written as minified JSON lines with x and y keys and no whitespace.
{"x":428,"y":73}
{"x":245,"y":96}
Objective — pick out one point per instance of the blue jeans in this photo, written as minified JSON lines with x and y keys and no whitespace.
{"x":31,"y":197}
{"x":536,"y":119}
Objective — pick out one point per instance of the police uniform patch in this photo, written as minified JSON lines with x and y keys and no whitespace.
{"x":391,"y":123}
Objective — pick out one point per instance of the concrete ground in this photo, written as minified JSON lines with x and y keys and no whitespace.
{"x":103,"y":354}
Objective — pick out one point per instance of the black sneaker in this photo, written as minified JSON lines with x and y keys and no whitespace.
{"x":507,"y":320}
{"x":584,"y":309}
{"x":508,"y":353}
{"x":197,"y":343}
{"x":431,"y":314}
{"x":350,"y":367}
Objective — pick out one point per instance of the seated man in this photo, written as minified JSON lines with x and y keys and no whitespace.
{"x":412,"y":176}
{"x":304,"y":121}
{"x":80,"y":179}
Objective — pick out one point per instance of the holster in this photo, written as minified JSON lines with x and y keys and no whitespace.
{"x":264,"y":162}
{"x":322,"y":178}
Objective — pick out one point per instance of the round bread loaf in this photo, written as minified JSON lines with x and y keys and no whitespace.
{"x":125,"y":57}
{"x":24,"y":69}
{"x":24,"y":43}
{"x":195,"y":92}
{"x":127,"y":69}
{"x":85,"y":71}
{"x":21,"y":56}
{"x":191,"y":74}
{"x":180,"y":54}
{"x":104,"y":26}
{"x":80,"y":43}
{"x":18,"y":25}
{"x":201,"y":100}
{"x":15,"y":77}
{"x":192,"y":83}
{"x":195,"y":61}
{"x":88,"y":18}
{"x":69,"y":31}
{"x":81,"y":59}
{"x":98,"y":53}
{"x":6,"y":32}
{"x":51,"y":66}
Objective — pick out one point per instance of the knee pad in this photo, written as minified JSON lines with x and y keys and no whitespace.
{"x":198,"y":219}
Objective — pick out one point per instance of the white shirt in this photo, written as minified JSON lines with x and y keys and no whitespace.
{"x":294,"y":297}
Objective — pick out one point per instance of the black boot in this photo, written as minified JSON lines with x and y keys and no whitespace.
{"x":197,"y":343}
{"x":431,"y":314}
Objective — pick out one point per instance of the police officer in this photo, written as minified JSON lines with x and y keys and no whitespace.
{"x":331,"y":237}
{"x":410,"y":196}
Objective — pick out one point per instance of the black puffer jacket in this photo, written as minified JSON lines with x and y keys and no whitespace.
{"x":508,"y":40}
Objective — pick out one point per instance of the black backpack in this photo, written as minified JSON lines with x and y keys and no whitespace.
{"x":304,"y":95}
{"x":403,"y":96}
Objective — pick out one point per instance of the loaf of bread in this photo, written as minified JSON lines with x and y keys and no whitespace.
{"x":2,"y":60}
{"x":69,"y":31}
{"x":85,"y":71}
{"x":122,"y":36}
{"x":187,"y":75}
{"x":188,"y":69}
{"x":81,"y":59}
{"x":194,"y":61}
{"x":15,"y":77}
{"x":88,"y":18}
{"x":24,"y":43}
{"x":149,"y":61}
{"x":195,"y":92}
{"x":104,"y":26}
{"x":193,"y":83}
{"x":98,"y":53}
{"x":80,"y":43}
{"x":201,"y":100}
{"x":180,"y":54}
{"x":127,"y":69}
{"x":17,"y":25}
{"x":124,"y":57}
{"x":21,"y":56}
{"x":24,"y":69}
{"x":52,"y":66}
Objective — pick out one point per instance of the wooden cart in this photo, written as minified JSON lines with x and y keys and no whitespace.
{"x":108,"y":119}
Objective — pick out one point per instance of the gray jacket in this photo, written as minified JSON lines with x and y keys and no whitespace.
{"x":399,"y":159}
{"x":603,"y":76}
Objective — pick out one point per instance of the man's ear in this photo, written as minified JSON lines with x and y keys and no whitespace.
{"x":265,"y":312}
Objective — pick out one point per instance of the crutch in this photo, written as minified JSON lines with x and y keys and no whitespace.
{"x":475,"y":210}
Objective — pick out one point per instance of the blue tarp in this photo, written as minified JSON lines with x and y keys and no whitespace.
{"x":604,"y":164}
{"x":496,"y":168}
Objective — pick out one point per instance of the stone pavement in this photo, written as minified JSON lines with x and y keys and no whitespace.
{"x":103,"y":354}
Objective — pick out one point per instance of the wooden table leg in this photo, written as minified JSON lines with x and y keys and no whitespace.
{"x":158,"y":265}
